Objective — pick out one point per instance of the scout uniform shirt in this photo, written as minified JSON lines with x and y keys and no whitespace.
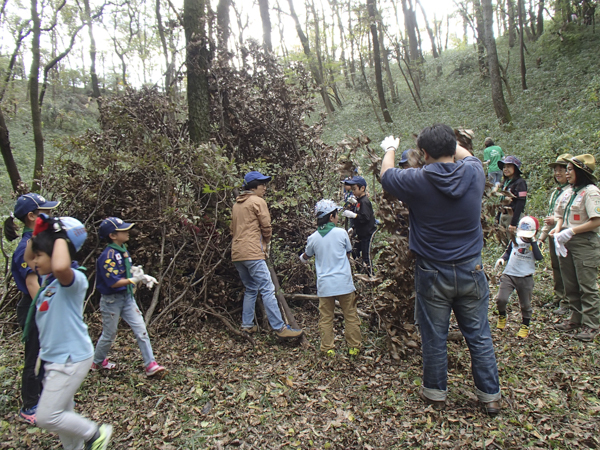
{"x":19,"y":268}
{"x":110,"y":268}
{"x":579,"y":205}
{"x":553,"y":206}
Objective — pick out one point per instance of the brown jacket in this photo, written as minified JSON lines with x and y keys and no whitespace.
{"x":250,"y":227}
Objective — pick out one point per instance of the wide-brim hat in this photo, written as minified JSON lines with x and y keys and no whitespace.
{"x":561,"y":160}
{"x":30,"y":202}
{"x":510,"y":160}
{"x":113,"y":224}
{"x":585,"y":162}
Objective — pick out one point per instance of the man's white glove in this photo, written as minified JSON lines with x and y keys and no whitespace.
{"x":137,"y":274}
{"x":349,"y":214}
{"x":302,"y":260}
{"x":559,"y":248}
{"x":149,"y":281}
{"x":564,"y":236}
{"x":350,"y":232}
{"x":389,"y":143}
{"x":267,"y":249}
{"x":352,"y":200}
{"x":499,"y":263}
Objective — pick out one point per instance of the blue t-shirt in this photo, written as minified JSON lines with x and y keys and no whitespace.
{"x":110,"y":268}
{"x":59,"y":318}
{"x":18,"y":266}
{"x":334,"y":276}
{"x":444,"y":201}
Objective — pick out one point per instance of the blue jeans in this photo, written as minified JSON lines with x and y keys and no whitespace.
{"x":256,"y":278}
{"x":495,"y":177}
{"x":462,"y":287}
{"x":122,"y":305}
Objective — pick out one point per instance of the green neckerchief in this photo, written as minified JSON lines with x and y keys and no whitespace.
{"x":555,"y":196}
{"x":506,"y":183}
{"x":27,"y":229}
{"x":123,"y":250}
{"x":32,"y":307}
{"x":568,"y":208}
{"x":324,"y":229}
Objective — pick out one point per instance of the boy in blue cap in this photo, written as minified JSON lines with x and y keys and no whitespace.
{"x":251,"y":231}
{"x":364,"y":220}
{"x":115,"y":279}
{"x":66,"y":349}
{"x":27,"y":208}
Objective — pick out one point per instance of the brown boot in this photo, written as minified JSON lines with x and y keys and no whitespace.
{"x":492,"y":409}
{"x":438,"y":405}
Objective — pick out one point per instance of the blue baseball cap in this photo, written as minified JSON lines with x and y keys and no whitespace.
{"x":30,"y":202}
{"x":254,"y":176}
{"x":111,"y":225}
{"x":404,"y":159}
{"x":76,"y":232}
{"x":356,"y":180}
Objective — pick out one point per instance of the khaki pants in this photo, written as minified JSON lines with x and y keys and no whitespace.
{"x":579,"y":270}
{"x":504,"y":221}
{"x":351,"y":320}
{"x":560,"y":299}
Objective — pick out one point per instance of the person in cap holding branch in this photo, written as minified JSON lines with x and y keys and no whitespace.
{"x":491,"y":157}
{"x":331,"y":248}
{"x":66,"y":349}
{"x":364,"y":220}
{"x":26,"y":210}
{"x":444,"y":200}
{"x":560,"y":177}
{"x":116,"y":278}
{"x":251,"y":231}
{"x":520,"y":259}
{"x":578,"y":246}
{"x":516,"y":187}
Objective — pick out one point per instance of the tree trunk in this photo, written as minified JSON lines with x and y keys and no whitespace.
{"x":197,"y":61}
{"x":500,"y":106}
{"x":410,"y":26}
{"x":9,"y":161}
{"x":522,"y":46}
{"x":434,"y":50}
{"x":512,"y":29}
{"x":223,"y":25}
{"x":266,"y":24}
{"x":352,"y":62}
{"x":386,"y":63}
{"x":169,"y":72}
{"x":336,"y":10}
{"x":36,"y":114}
{"x":314,"y":68}
{"x":93,"y":74}
{"x":540,"y":18}
{"x":483,"y":67}
{"x":377,"y":61}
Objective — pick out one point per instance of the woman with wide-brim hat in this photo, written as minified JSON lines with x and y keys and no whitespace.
{"x":578,"y":245}
{"x":560,"y":177}
{"x":513,"y":204}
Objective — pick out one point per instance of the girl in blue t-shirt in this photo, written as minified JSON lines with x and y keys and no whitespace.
{"x":66,"y":349}
{"x":26,"y":211}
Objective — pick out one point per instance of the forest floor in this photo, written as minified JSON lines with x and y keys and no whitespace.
{"x":221,"y":393}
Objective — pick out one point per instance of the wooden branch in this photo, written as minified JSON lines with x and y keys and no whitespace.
{"x":227,"y":323}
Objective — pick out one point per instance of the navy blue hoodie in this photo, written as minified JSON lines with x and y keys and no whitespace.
{"x":444,"y":201}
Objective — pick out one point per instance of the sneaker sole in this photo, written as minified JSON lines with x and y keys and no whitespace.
{"x":109,"y":430}
{"x":28,"y":421}
{"x":158,"y":375}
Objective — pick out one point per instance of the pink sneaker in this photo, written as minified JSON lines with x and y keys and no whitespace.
{"x":106,"y":364}
{"x":155,"y":370}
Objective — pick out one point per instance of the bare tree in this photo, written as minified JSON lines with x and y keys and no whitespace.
{"x":377,"y":61}
{"x":36,"y":114}
{"x":434,"y":50}
{"x":522,"y":46}
{"x":223,"y":24}
{"x":265,"y":17}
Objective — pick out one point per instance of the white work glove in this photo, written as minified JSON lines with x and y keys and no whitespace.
{"x":389,"y":144}
{"x":352,"y":200}
{"x":351,"y":232}
{"x":499,"y":263}
{"x":564,"y":236}
{"x":349,"y":214}
{"x":149,"y":281}
{"x":137,"y":274}
{"x":267,"y":249}
{"x":302,"y":260}
{"x":560,"y":249}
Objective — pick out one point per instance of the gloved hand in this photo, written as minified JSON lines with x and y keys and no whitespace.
{"x":352,"y":200}
{"x":267,"y":249}
{"x":499,"y":263}
{"x":564,"y":236}
{"x":559,"y":248}
{"x":389,"y":143}
{"x":349,"y":214}
{"x":135,"y":279}
{"x":149,"y":281}
{"x":302,"y":260}
{"x":350,"y":232}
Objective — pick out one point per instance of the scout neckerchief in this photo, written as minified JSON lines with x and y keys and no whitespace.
{"x":324,"y":229}
{"x":506,"y":183}
{"x":32,"y":307}
{"x":27,"y":230}
{"x":555,"y":196}
{"x":123,"y":250}
{"x":568,"y":208}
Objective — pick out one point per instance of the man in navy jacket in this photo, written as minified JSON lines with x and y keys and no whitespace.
{"x":444,"y":201}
